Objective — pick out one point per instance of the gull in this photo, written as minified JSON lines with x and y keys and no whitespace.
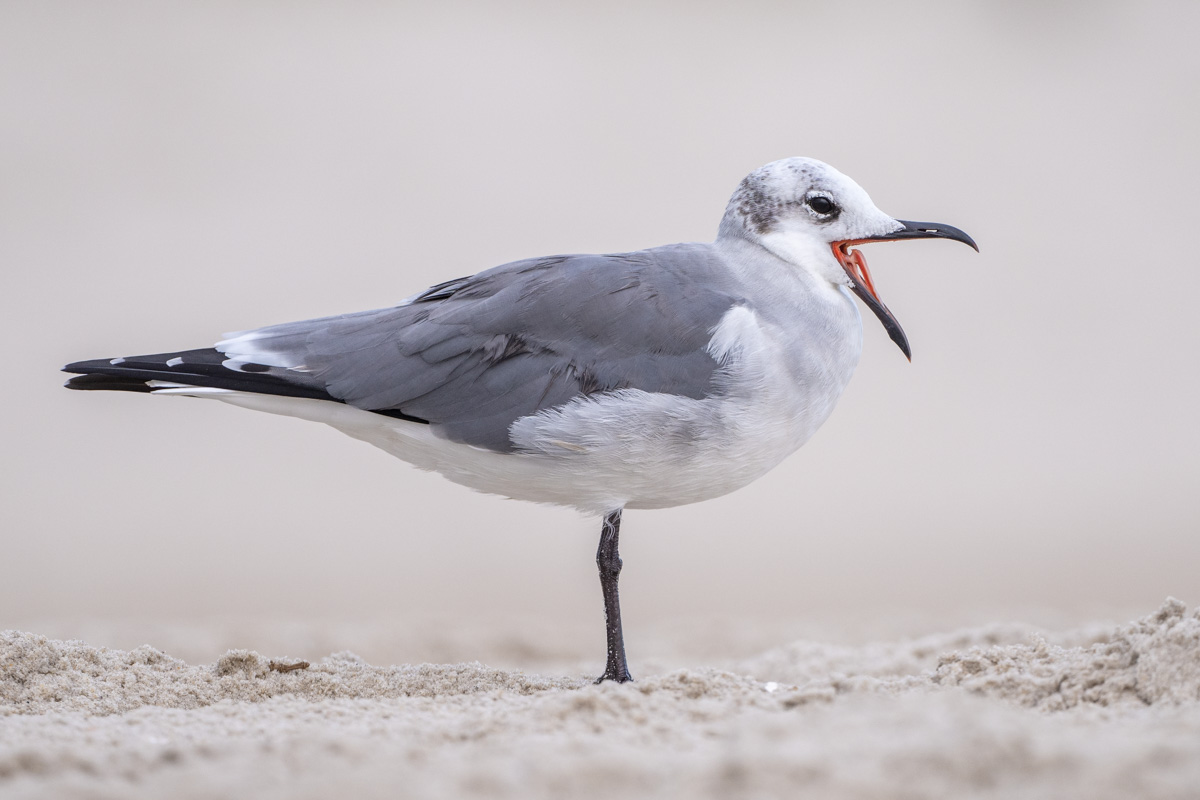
{"x":600,"y":382}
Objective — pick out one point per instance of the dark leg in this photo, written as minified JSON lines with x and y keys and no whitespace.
{"x":609,"y":562}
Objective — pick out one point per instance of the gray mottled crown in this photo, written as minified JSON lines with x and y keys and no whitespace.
{"x":764,"y":195}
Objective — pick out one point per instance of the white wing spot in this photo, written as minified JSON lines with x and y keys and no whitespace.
{"x":240,"y":349}
{"x":175,"y":362}
{"x":115,"y":361}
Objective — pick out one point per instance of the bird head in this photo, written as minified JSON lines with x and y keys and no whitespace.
{"x":813,"y":217}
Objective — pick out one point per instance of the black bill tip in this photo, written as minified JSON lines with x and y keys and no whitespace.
{"x":890,"y":323}
{"x":929,"y":230}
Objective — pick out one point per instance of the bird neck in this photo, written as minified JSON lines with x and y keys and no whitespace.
{"x":802,"y":255}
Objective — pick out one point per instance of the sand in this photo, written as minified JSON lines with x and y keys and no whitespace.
{"x":999,"y":711}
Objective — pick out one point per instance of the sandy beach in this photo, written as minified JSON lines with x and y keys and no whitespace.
{"x":994,"y":711}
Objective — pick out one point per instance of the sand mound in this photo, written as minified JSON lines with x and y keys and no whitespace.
{"x":990,"y":711}
{"x":1153,"y":660}
{"x":39,"y":675}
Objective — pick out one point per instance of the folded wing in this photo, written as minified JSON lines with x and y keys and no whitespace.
{"x":473,"y":355}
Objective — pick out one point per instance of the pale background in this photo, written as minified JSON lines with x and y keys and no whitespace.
{"x":171,"y":171}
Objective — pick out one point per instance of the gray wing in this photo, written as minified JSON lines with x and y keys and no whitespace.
{"x":473,"y":355}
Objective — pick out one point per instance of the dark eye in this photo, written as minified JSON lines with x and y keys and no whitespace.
{"x":821,"y":205}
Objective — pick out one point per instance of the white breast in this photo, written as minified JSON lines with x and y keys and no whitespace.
{"x":645,"y":450}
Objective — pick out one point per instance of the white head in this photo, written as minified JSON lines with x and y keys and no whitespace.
{"x":797,"y":207}
{"x":810,"y":215}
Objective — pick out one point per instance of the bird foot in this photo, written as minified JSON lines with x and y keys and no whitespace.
{"x":613,"y":674}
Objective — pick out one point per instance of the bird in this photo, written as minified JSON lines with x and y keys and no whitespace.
{"x":634,"y":380}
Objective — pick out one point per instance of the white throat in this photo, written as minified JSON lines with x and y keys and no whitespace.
{"x":805,"y":252}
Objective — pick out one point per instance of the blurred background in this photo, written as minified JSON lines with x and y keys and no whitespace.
{"x":172,"y":171}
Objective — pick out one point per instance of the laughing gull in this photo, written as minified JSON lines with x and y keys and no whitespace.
{"x":601,"y":382}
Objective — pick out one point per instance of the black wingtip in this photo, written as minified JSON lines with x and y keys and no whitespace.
{"x":202,"y":367}
{"x":110,"y":383}
{"x":84,"y":367}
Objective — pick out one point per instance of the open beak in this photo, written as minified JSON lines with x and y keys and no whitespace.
{"x":860,"y":277}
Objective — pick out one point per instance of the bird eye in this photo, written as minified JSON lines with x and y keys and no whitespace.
{"x":822,"y":205}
